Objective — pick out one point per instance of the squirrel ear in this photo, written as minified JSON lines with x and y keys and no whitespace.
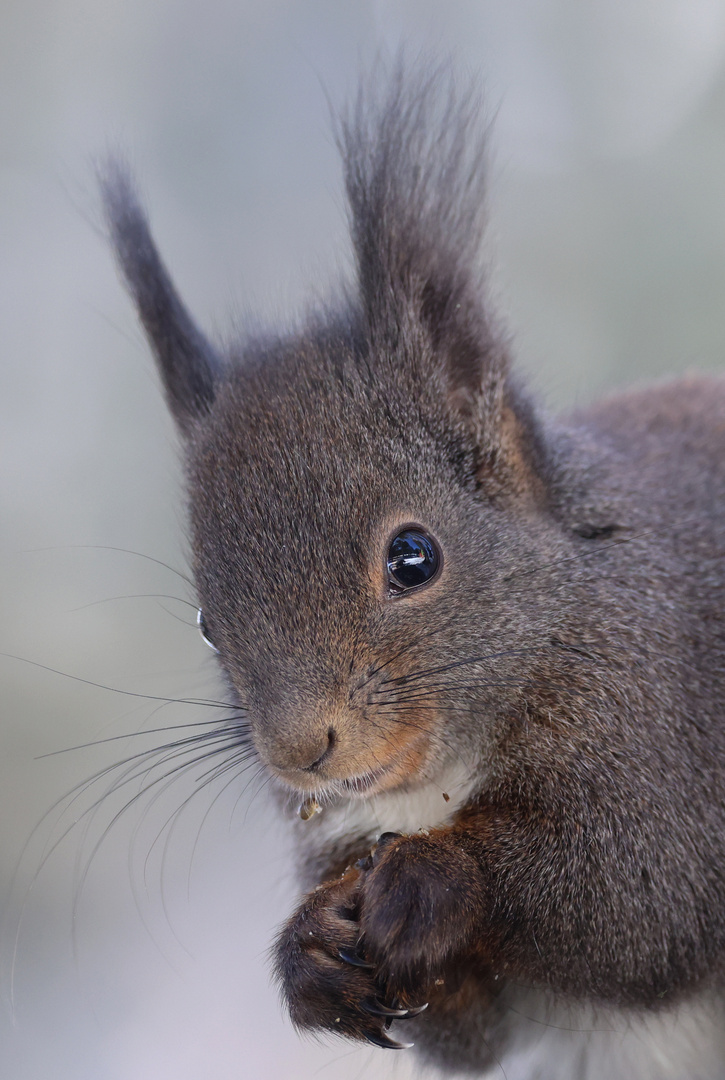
{"x":414,"y":159}
{"x":414,"y":164}
{"x":188,"y":364}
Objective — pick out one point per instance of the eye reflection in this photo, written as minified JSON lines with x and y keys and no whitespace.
{"x":413,"y":559}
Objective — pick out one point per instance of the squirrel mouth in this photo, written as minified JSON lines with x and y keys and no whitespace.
{"x":367,"y":783}
{"x":357,"y":787}
{"x":364,"y":784}
{"x":330,"y":789}
{"x":399,"y":772}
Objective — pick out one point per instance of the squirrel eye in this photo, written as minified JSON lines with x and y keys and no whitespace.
{"x":204,"y":631}
{"x":413,"y":559}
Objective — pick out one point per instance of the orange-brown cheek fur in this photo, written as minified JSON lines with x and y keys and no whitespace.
{"x":409,"y":757}
{"x":397,"y":737}
{"x":399,"y":749}
{"x":399,"y":741}
{"x":373,"y":745}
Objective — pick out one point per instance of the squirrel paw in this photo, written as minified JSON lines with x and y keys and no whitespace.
{"x":421,"y":904}
{"x":327,"y":979}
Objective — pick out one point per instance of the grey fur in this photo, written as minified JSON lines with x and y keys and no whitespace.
{"x":572,"y":652}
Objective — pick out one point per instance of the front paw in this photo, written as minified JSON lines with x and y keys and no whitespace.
{"x":326,"y":980}
{"x":423,"y":901}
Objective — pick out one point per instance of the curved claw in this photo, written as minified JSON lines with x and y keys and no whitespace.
{"x":383,"y":840}
{"x":386,"y":1042}
{"x":354,"y":958}
{"x":386,"y":837}
{"x":376,"y":1008}
{"x":410,"y":1013}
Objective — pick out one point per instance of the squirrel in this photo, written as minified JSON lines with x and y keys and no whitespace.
{"x":486,"y":643}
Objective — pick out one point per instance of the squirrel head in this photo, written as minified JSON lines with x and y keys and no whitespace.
{"x":361,"y":491}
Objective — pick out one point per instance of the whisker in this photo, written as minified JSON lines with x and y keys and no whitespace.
{"x":469,"y":660}
{"x":267,"y":780}
{"x":135,"y":596}
{"x":134,"y":734}
{"x":168,"y":777}
{"x":488,"y":1046}
{"x":557,"y":1027}
{"x":127,"y":771}
{"x":410,"y":644}
{"x":152,"y":755}
{"x":210,"y":704}
{"x":253,"y":763}
{"x":598,"y":550}
{"x":203,"y":782}
{"x":419,"y":692}
{"x":435,"y":735}
{"x":237,"y":774}
{"x":109,"y":547}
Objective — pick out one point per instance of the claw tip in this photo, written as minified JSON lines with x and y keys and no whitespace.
{"x":387,"y":1043}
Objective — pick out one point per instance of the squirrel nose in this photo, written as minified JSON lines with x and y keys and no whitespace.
{"x":299,"y":750}
{"x":315,"y":765}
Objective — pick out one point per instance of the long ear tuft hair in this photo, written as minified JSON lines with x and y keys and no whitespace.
{"x":414,"y":157}
{"x":188,"y":364}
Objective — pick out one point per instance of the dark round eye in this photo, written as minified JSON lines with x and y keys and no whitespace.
{"x":203,"y":630}
{"x":413,"y":559}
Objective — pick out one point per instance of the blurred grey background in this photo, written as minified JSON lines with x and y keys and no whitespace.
{"x":133,"y":947}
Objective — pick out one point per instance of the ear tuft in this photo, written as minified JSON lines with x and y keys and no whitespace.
{"x":414,"y":158}
{"x":188,"y":364}
{"x":415,"y":161}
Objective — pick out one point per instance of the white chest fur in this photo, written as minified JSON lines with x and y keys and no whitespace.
{"x":404,"y":812}
{"x":545,"y":1039}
